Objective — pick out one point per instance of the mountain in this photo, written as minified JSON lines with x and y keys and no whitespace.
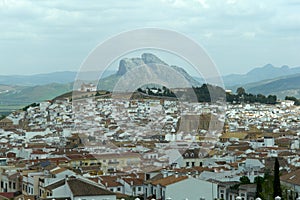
{"x":281,"y":86}
{"x":258,"y":74}
{"x":21,"y":90}
{"x":149,"y":60}
{"x":25,"y":95}
{"x":43,"y":79}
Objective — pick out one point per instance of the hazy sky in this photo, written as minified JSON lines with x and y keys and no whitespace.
{"x":46,"y":36}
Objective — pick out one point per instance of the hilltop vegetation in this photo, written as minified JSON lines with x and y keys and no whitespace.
{"x":242,"y":96}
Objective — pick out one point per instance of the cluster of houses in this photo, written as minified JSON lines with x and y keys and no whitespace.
{"x":111,"y":148}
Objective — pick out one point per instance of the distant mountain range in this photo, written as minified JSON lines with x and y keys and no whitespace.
{"x":43,"y":79}
{"x":24,"y":95}
{"x":283,"y":81}
{"x":22,"y":90}
{"x":281,"y":87}
{"x":258,"y":74}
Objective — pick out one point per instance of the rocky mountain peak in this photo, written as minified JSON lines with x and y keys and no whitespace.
{"x":127,"y":64}
{"x":150,"y":58}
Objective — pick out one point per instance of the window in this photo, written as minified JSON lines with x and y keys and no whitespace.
{"x":193,"y":164}
{"x":139,"y":189}
{"x":147,"y":176}
{"x":187,"y":164}
{"x":14,"y":185}
{"x":118,"y":189}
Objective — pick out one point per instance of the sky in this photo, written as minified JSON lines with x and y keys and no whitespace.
{"x":54,"y":35}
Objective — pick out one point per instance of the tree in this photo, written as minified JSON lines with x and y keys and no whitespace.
{"x":276,"y":184}
{"x":258,"y":180}
{"x":272,"y":99}
{"x":297,"y":101}
{"x":244,"y":180}
{"x":260,"y":98}
{"x":97,"y":94}
{"x":240,"y":91}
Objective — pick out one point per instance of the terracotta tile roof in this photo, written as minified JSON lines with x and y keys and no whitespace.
{"x":56,"y":185}
{"x":239,"y":135}
{"x":8,"y":195}
{"x":293,"y":177}
{"x":120,"y":195}
{"x":234,"y":165}
{"x":38,"y":152}
{"x":194,"y":169}
{"x":169,"y":180}
{"x":154,"y":178}
{"x":80,"y":157}
{"x":29,"y":197}
{"x":140,"y":175}
{"x":81,"y":188}
{"x":269,"y":162}
{"x":134,"y":181}
{"x":117,"y":155}
{"x":110,"y":181}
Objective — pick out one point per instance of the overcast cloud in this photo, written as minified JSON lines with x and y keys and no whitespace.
{"x":46,"y":36}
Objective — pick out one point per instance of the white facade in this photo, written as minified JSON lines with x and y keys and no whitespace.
{"x":104,"y":197}
{"x":192,"y":189}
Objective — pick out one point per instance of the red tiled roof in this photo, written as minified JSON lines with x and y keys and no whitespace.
{"x":292,"y":178}
{"x":134,"y":181}
{"x":169,"y":180}
{"x":82,"y":188}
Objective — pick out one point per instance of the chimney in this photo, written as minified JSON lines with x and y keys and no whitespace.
{"x":176,"y":175}
{"x":197,"y":174}
{"x":165,"y":173}
{"x":66,"y":179}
